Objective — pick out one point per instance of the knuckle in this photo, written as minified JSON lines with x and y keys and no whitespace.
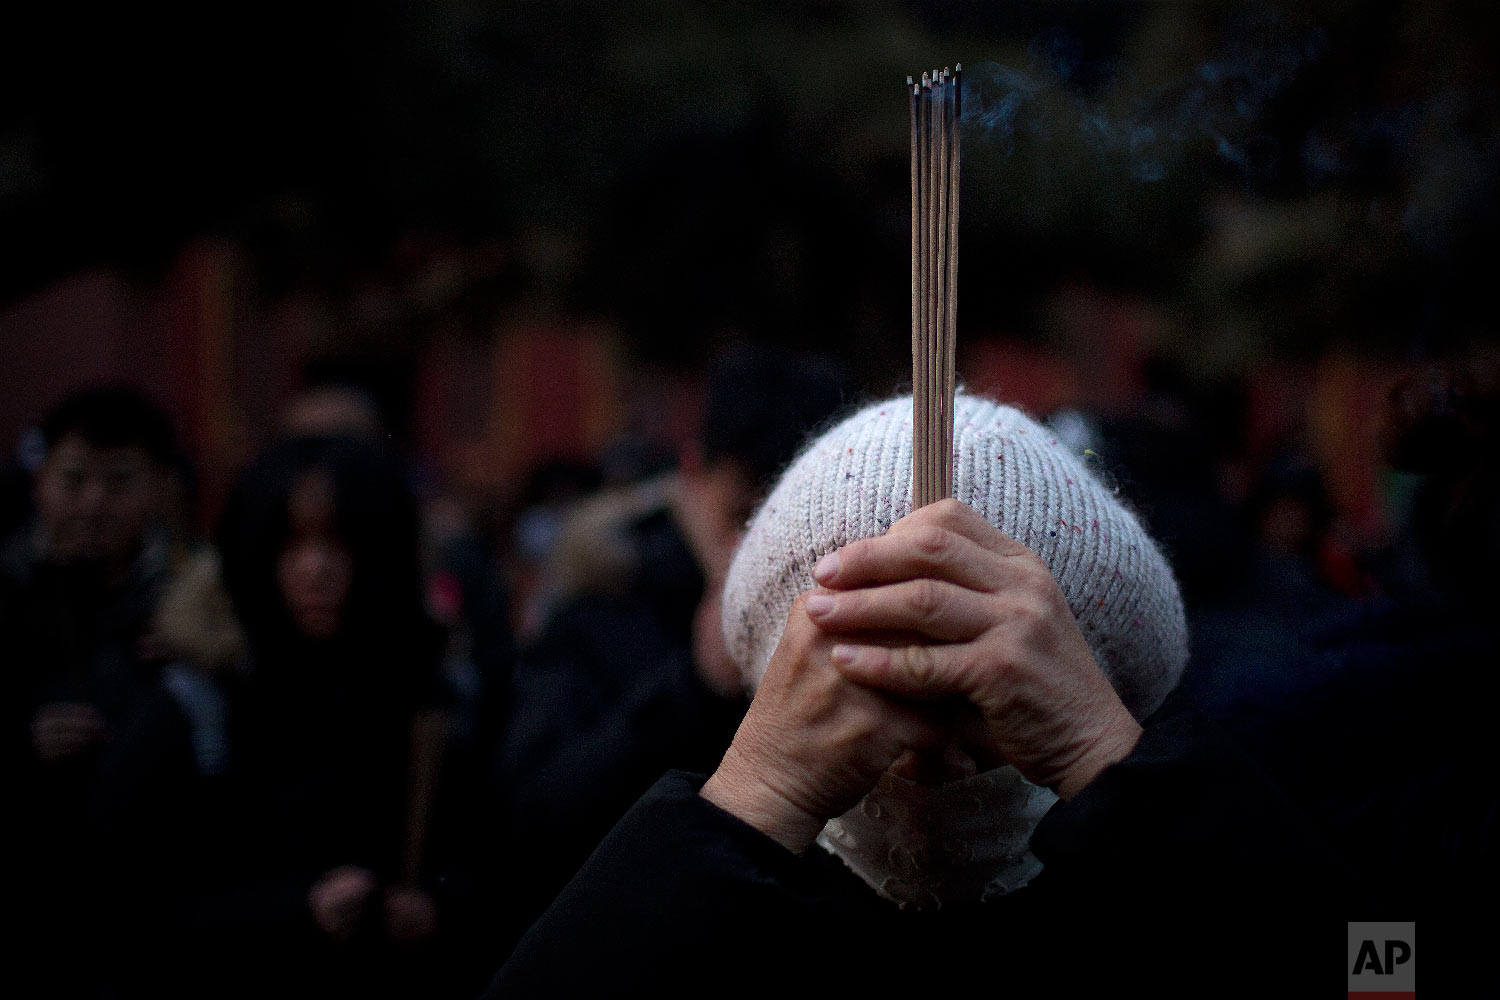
{"x":974,"y":664}
{"x":931,"y":542}
{"x":1036,"y":582}
{"x":999,"y":669}
{"x":868,"y":720}
{"x":926,"y":600}
{"x":1037,"y":624}
{"x":980,"y":670}
{"x":921,"y":665}
{"x":958,"y":516}
{"x":1030,"y":613}
{"x":1023,"y":606}
{"x":949,"y":509}
{"x":1032,"y":565}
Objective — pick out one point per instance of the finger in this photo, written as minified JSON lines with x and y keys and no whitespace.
{"x":931,"y":609}
{"x":921,"y":672}
{"x":797,"y":620}
{"x":922,"y":550}
{"x":898,"y":724}
{"x":961,"y":519}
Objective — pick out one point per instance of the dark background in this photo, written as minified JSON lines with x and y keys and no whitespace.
{"x":472,"y":198}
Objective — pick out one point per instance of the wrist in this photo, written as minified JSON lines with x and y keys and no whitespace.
{"x":739,"y":791}
{"x":1112,"y":744}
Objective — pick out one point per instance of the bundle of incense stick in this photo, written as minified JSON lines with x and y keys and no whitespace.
{"x":936,"y":104}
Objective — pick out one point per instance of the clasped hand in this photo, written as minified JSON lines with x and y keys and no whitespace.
{"x":942,"y":633}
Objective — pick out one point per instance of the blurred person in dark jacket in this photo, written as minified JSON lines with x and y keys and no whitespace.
{"x":78,"y":587}
{"x":629,"y":676}
{"x":309,"y":702}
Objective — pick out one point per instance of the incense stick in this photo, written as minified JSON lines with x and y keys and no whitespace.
{"x":950,"y":321}
{"x":935,"y":112}
{"x":914,"y":93}
{"x":940,"y":354}
{"x":919,"y":359}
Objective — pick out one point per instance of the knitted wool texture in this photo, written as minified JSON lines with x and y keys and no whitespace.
{"x":854,"y":482}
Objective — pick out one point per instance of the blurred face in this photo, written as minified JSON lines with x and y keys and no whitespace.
{"x":314,"y":569}
{"x":713,"y":504}
{"x":97,"y":503}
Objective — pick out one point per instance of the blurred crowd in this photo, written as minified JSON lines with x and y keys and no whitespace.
{"x":336,"y":641}
{"x":354,"y":741}
{"x":349,"y":741}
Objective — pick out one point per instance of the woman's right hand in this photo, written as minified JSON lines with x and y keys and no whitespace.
{"x":813,"y":742}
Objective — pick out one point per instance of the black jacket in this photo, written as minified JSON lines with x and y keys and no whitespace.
{"x":1181,"y":869}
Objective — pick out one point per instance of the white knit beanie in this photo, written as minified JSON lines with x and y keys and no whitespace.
{"x":854,"y":482}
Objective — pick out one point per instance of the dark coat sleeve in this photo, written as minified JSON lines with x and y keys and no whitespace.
{"x":599,"y":712}
{"x":1187,"y":851}
{"x":677,"y":889}
{"x":1189,"y":807}
{"x":1178,"y":860}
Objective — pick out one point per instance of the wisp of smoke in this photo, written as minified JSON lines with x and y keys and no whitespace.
{"x":1146,"y":130}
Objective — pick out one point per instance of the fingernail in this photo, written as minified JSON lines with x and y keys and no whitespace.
{"x":819,"y":604}
{"x":843,"y":655}
{"x":827,"y":567}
